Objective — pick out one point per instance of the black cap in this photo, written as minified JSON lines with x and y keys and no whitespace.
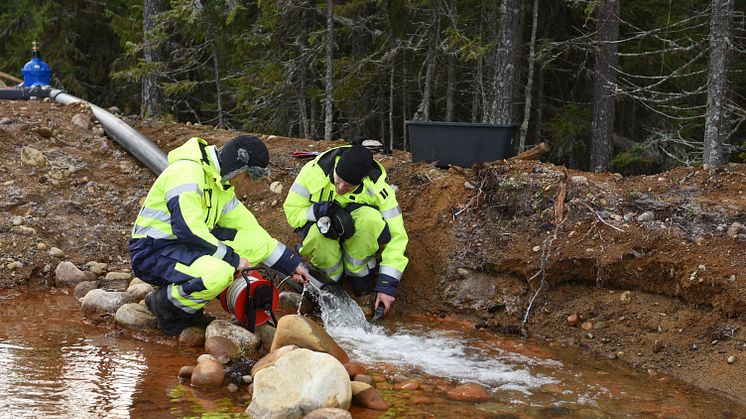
{"x":242,"y":153}
{"x":354,"y":164}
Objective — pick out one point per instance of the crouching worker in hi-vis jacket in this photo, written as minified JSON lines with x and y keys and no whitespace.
{"x":345,"y":212}
{"x":192,"y":233}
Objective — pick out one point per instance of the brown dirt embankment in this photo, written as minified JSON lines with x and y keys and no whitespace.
{"x":649,"y":270}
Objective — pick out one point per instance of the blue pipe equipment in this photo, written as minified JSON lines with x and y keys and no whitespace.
{"x":36,"y":72}
{"x":36,"y":78}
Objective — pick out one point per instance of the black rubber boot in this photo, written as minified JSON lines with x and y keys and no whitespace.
{"x":171,"y":319}
{"x":362,"y":285}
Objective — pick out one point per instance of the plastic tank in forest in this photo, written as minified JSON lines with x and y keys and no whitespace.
{"x":460,"y":144}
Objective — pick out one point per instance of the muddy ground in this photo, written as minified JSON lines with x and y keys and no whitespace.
{"x":648,"y":270}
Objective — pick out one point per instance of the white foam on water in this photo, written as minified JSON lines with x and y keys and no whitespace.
{"x":430,"y":351}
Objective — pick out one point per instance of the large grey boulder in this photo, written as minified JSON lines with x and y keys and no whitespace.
{"x":246,"y":341}
{"x":266,"y":333}
{"x":139,"y":291}
{"x":68,"y":275}
{"x":305,"y":333}
{"x":84,"y":288}
{"x":135,"y":316}
{"x":298,"y":383}
{"x":98,"y":303}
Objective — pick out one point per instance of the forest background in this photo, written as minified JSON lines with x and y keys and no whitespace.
{"x":633,"y":86}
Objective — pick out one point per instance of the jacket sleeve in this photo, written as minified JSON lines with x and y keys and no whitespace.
{"x":298,"y":206}
{"x":393,"y":261}
{"x":183,"y":189}
{"x":252,"y":242}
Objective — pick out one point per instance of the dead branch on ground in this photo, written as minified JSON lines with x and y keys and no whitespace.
{"x":532,"y":153}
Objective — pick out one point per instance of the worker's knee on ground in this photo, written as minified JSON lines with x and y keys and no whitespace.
{"x":368,"y":222}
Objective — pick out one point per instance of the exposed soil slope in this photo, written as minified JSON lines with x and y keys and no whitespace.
{"x":653,"y":267}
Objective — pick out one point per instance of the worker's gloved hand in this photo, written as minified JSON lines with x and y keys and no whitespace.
{"x":337,"y":224}
{"x":323,"y":209}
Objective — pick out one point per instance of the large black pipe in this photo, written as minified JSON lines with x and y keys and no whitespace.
{"x":137,"y":144}
{"x":23,"y":93}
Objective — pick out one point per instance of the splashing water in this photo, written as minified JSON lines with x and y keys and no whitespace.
{"x":428,"y":351}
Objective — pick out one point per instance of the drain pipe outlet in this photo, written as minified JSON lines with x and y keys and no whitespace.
{"x":134,"y":142}
{"x":23,"y":93}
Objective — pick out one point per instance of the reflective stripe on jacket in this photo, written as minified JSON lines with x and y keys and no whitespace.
{"x":315,"y":183}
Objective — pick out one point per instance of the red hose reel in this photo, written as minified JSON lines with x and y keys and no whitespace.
{"x":261,"y":303}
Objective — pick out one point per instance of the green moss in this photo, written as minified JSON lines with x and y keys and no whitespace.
{"x":635,"y":161}
{"x":570,"y":133}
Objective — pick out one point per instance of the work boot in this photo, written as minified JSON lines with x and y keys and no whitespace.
{"x":361,"y":286}
{"x":202,"y":319}
{"x":171,"y":319}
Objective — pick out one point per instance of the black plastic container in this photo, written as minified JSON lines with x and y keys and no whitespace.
{"x":460,"y":144}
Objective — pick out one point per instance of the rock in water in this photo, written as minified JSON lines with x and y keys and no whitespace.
{"x":470,"y":392}
{"x":329,"y":413}
{"x":266,"y":333}
{"x":98,"y":303}
{"x":84,"y":288}
{"x":223,"y":349}
{"x":366,"y":396}
{"x":208,"y":373}
{"x":135,"y":316}
{"x":247,"y":341}
{"x":304,"y":332}
{"x":192,"y":337}
{"x":272,"y":357}
{"x":299,"y":383}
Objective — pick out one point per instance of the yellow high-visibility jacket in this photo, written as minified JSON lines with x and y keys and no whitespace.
{"x":315,"y":183}
{"x":189,"y":204}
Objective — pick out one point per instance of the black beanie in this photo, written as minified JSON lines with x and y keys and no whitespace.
{"x":241,"y":153}
{"x":355,"y":164}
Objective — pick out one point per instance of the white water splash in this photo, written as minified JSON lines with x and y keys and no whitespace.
{"x":428,"y":351}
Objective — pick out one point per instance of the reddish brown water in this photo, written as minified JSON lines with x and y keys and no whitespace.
{"x":52,"y":364}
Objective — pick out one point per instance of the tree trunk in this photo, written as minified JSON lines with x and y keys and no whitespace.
{"x":603,"y":86}
{"x":530,"y":81}
{"x":423,"y":110}
{"x":451,"y":88}
{"x":479,"y":101}
{"x":302,"y":71}
{"x":391,"y":101}
{"x":216,"y":73}
{"x":717,"y":123}
{"x":539,"y":120}
{"x":507,"y":42}
{"x":329,"y":98}
{"x":404,"y":101}
{"x":153,"y":53}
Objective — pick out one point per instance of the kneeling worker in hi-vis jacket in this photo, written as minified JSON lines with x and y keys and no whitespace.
{"x":192,"y":233}
{"x":344,"y":210}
